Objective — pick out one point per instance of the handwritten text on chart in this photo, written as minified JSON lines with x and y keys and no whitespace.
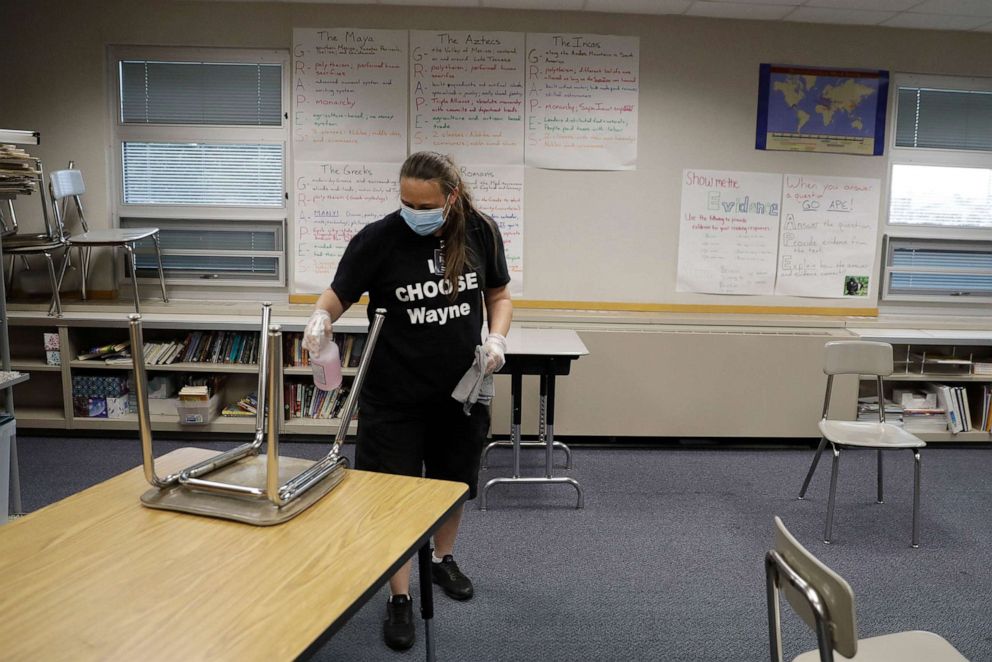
{"x":828,"y":236}
{"x":349,"y":91}
{"x":582,"y":100}
{"x":728,"y":232}
{"x":499,"y":192}
{"x":333,"y":201}
{"x":467,"y":95}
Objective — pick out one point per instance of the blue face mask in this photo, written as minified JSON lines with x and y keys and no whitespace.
{"x":423,"y":221}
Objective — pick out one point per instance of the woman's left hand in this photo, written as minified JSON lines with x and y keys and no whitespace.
{"x":495,"y":348}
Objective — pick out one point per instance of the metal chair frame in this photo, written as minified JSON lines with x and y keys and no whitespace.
{"x":195,"y":480}
{"x":826,"y":603}
{"x":878,"y":371}
{"x":68,"y":184}
{"x":46,"y":243}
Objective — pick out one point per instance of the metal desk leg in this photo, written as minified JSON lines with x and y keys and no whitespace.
{"x":15,"y":478}
{"x":516,"y":388}
{"x":542,"y":426}
{"x":547,"y":437}
{"x":518,"y":444}
{"x":426,"y":596}
{"x":525,"y":444}
{"x":550,"y":430}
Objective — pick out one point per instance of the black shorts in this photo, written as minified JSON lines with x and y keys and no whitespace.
{"x":436,"y":440}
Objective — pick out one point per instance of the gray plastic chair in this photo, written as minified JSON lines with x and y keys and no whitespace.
{"x":68,"y":184}
{"x":825,"y":602}
{"x":859,"y":357}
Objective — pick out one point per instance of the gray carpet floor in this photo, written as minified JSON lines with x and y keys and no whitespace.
{"x":665,"y":562}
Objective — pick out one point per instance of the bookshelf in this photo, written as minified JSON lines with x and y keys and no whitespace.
{"x":924,"y":359}
{"x":50,"y":406}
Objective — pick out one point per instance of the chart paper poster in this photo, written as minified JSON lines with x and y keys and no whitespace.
{"x":349,"y":94}
{"x":582,"y":101}
{"x":334,"y":200}
{"x":814,"y":109}
{"x":499,"y":192}
{"x":467,"y":95}
{"x":728,"y":233}
{"x":829,"y":233}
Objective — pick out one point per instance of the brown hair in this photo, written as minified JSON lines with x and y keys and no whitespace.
{"x":436,"y":167}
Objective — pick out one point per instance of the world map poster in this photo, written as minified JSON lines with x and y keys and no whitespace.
{"x":816,"y":109}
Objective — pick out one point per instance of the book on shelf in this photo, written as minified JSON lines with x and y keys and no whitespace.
{"x":104,"y":351}
{"x":233,"y":410}
{"x":868,"y":410}
{"x":954,"y":401}
{"x":308,"y":401}
{"x":981,"y":368}
{"x":245,"y":407}
{"x":201,"y":392}
{"x":357,"y":347}
{"x":346,"y":348}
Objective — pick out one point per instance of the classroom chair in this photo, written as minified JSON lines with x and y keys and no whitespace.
{"x":825,"y":602}
{"x":68,"y":184}
{"x":49,"y":243}
{"x":859,"y":357}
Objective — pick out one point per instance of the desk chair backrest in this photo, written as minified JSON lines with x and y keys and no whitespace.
{"x":857,"y":357}
{"x":65,"y":185}
{"x":818,"y":595}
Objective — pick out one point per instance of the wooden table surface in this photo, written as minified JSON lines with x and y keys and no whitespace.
{"x":98,"y":576}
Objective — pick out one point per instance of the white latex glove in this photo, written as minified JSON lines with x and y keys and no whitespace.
{"x":495,"y":347}
{"x":317,"y":332}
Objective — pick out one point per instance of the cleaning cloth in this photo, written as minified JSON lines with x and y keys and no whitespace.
{"x":475,"y":385}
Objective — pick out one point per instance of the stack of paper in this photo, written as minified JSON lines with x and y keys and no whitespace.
{"x":18,"y":171}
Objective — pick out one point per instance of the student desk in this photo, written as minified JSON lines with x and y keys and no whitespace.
{"x":547,"y":353}
{"x":98,"y":576}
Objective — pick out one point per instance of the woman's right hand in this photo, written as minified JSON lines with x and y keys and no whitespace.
{"x":317,"y":332}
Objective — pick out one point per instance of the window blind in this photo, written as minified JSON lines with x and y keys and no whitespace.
{"x":937,"y":269}
{"x":201,"y":93}
{"x":204,"y":249}
{"x":944,"y":119}
{"x":941,"y":195}
{"x":242,"y":175}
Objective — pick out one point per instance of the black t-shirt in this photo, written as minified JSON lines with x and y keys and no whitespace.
{"x":428,"y":340}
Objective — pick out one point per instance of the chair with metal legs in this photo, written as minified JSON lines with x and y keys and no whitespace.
{"x":68,"y":184}
{"x":825,"y":602}
{"x":859,"y":357}
{"x":239,"y":484}
{"x":49,"y":243}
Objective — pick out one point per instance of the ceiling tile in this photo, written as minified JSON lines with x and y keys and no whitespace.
{"x":433,"y":3}
{"x":790,"y":3}
{"x":546,"y":5}
{"x":871,"y":5}
{"x":961,"y":7}
{"x":935,"y":21}
{"x":637,"y":6}
{"x":727,"y":10}
{"x":839,"y":16}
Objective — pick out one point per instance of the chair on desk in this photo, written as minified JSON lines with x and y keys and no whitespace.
{"x":239,"y":484}
{"x":825,"y":602}
{"x":68,"y":184}
{"x":861,"y":357}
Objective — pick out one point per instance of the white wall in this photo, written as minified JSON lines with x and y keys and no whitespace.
{"x":590,"y":236}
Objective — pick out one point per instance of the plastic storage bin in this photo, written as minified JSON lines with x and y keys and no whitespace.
{"x":197,"y":412}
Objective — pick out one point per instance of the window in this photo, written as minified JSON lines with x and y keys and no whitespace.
{"x":938,"y":239}
{"x":200,"y":152}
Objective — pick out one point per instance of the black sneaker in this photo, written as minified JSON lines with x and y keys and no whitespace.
{"x":447,"y":575}
{"x":397,"y":630}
